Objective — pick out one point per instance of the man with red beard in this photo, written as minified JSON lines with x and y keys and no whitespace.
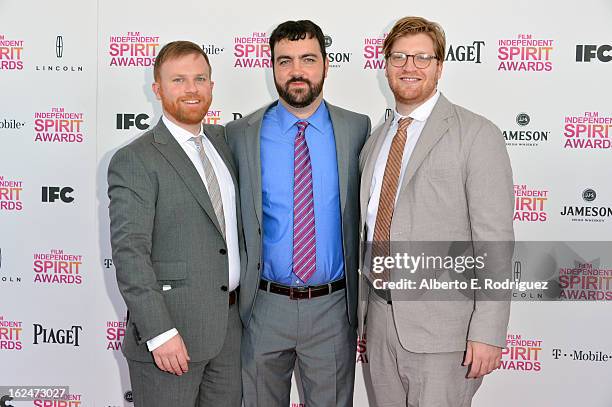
{"x":299,"y":183}
{"x":177,"y":245}
{"x":433,"y":172}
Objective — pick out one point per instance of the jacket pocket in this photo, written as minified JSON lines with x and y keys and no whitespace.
{"x":171,"y":271}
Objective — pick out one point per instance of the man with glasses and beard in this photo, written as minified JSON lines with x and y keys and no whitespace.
{"x":433,"y":172}
{"x":299,"y":183}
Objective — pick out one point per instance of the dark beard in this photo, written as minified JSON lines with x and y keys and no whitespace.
{"x":302,"y":99}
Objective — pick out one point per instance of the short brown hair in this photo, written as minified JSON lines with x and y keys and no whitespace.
{"x":177,"y":49}
{"x":415,"y":25}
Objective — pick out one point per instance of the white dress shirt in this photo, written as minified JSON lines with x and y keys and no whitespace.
{"x":419,"y":118}
{"x":228,"y":199}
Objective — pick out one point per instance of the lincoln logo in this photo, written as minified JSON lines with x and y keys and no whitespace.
{"x":517,"y":271}
{"x":388,"y":113}
{"x":59,"y":46}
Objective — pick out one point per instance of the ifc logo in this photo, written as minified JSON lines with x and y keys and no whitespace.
{"x":128,"y":396}
{"x":328,"y":41}
{"x":522,"y":119}
{"x":589,"y":195}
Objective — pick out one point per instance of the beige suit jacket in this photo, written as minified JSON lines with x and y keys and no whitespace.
{"x":457,"y":187}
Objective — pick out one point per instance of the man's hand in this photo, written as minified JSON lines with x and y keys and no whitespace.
{"x":483,"y":358}
{"x":172,"y":356}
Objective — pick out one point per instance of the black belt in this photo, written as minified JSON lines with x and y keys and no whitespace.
{"x":301,"y":293}
{"x":233,"y":295}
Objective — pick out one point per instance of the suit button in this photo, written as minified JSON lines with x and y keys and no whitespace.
{"x":258,"y":266}
{"x":223,"y":288}
{"x":223,"y":251}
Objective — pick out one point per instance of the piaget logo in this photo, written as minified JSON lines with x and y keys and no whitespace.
{"x":465,"y":53}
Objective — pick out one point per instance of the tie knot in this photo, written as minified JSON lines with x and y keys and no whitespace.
{"x":198,"y":142}
{"x":302,"y":126}
{"x":404,"y":123}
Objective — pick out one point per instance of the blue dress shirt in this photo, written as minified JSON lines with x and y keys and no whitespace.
{"x":278,"y":131}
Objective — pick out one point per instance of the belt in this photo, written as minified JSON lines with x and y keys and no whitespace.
{"x":233,"y":295}
{"x":302,"y":293}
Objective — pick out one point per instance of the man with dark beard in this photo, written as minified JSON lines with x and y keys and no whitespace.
{"x":299,"y":183}
{"x":177,"y":244}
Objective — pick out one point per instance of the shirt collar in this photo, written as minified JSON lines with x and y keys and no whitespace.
{"x":287,"y":119}
{"x":180,"y":134}
{"x":422,"y":112}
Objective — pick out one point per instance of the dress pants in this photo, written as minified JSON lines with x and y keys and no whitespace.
{"x":314,"y":332}
{"x":406,"y":379}
{"x":210,"y":383}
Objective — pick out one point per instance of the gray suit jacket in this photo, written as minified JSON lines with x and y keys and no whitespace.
{"x":164,"y":232}
{"x":457,"y":187}
{"x":350,"y":131}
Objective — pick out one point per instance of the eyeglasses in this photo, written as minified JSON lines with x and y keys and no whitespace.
{"x":399,"y":59}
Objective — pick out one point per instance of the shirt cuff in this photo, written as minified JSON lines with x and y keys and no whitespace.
{"x":160,"y":339}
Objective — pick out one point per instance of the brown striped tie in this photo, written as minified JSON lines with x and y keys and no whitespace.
{"x":386,"y":203}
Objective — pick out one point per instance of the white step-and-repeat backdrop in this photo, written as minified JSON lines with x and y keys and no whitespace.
{"x":75,"y":82}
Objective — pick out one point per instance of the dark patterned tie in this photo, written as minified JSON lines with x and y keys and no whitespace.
{"x":304,"y":239}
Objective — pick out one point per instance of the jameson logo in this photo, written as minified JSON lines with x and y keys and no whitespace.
{"x":587,"y":212}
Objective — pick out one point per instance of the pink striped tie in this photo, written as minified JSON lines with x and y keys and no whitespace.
{"x":304,"y":239}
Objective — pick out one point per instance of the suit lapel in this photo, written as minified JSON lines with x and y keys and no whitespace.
{"x":378,"y":138}
{"x":437,"y":125}
{"x":253,"y":148}
{"x":172,"y":151}
{"x":341,"y":136}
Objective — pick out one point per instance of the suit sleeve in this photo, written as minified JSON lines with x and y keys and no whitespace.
{"x":489,"y":190}
{"x":132,"y":196}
